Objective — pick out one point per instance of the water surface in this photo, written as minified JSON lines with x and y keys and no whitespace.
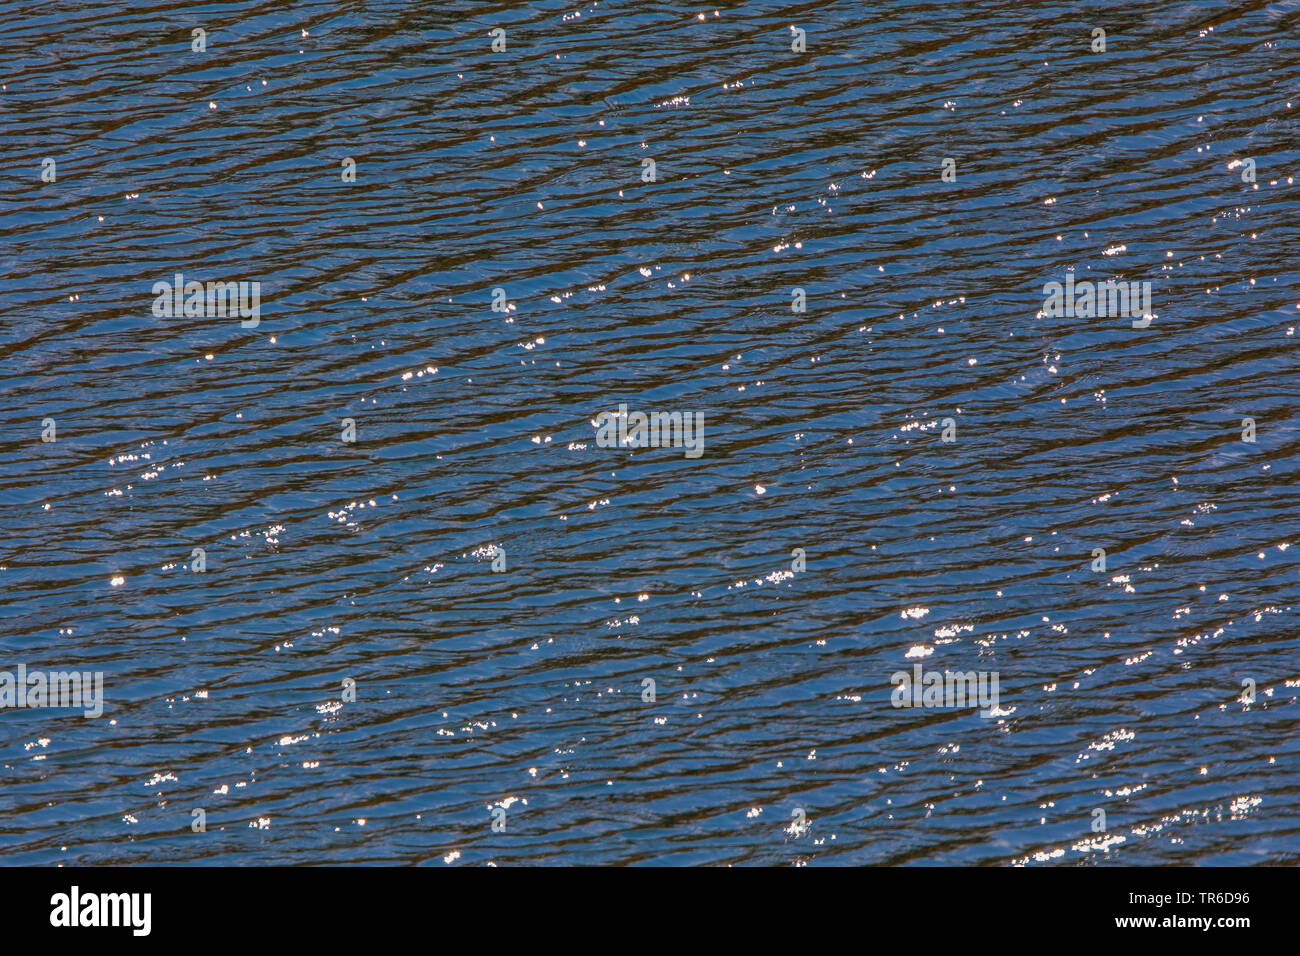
{"x":523,"y":689}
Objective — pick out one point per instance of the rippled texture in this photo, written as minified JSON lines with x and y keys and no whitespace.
{"x":372,"y":561}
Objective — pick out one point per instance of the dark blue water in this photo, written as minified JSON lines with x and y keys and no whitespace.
{"x":771,"y":737}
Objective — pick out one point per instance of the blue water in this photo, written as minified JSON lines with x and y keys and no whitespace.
{"x":771,"y":737}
